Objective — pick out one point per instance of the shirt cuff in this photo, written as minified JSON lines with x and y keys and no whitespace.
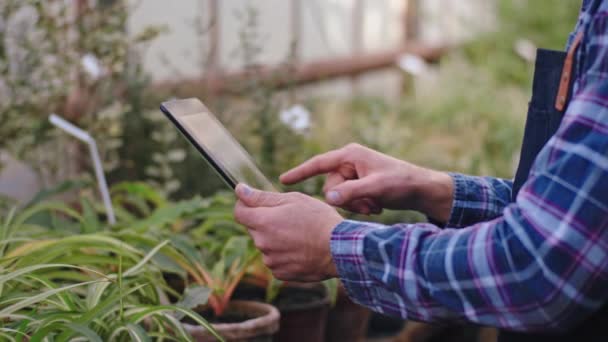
{"x":457,"y":212}
{"x":477,"y":199}
{"x":347,"y":253}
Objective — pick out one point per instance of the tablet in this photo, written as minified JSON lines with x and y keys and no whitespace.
{"x":219,"y":148}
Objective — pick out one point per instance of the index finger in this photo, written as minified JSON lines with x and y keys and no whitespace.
{"x":320,"y":164}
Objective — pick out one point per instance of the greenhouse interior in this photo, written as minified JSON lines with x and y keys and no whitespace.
{"x":260,"y":170}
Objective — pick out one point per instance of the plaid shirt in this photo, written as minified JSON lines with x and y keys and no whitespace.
{"x":539,"y":263}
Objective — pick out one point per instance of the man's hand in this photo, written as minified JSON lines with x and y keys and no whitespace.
{"x":365,"y":181}
{"x":291,"y":230}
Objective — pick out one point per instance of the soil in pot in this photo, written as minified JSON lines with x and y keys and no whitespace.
{"x":304,"y":309}
{"x":229,"y":317}
{"x":245,"y":291}
{"x":242,"y":321}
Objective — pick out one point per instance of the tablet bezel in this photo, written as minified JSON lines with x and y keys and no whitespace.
{"x":217,"y":166}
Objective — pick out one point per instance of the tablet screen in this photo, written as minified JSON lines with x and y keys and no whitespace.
{"x":218,"y":146}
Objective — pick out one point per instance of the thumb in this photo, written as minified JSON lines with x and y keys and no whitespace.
{"x":258,"y":198}
{"x":351,"y":190}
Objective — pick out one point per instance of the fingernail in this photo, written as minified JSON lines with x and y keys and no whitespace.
{"x":245,"y":190}
{"x":333,"y":197}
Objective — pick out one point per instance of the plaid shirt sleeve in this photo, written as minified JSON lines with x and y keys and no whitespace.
{"x":542,"y":264}
{"x":478,"y":199}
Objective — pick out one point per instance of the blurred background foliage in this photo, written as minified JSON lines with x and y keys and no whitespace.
{"x":466,"y":115}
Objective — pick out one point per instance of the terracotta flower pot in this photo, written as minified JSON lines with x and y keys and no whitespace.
{"x":260,"y":324}
{"x":347,"y":320}
{"x":304,"y":309}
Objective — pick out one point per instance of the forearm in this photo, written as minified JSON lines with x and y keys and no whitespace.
{"x":539,"y":265}
{"x":434,"y":195}
{"x":483,"y":274}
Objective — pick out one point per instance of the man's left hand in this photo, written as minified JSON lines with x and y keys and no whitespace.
{"x":292,"y":230}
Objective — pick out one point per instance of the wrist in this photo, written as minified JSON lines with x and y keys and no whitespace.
{"x":330,"y":269}
{"x":435,"y":194}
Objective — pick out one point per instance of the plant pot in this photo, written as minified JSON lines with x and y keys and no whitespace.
{"x":304,"y":309}
{"x":425,"y":332}
{"x":384,"y":327}
{"x":347,"y":321}
{"x":242,"y":321}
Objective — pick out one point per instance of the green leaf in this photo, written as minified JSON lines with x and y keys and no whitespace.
{"x":332,"y":289}
{"x":14,"y":332}
{"x":167,"y":215}
{"x":30,"y":269}
{"x":65,"y":297}
{"x":84,"y":331}
{"x":105,"y":305}
{"x":273,"y":289}
{"x":94,"y":293}
{"x":236,"y":249}
{"x":182,"y":244}
{"x":194,"y":296}
{"x":90,"y":219}
{"x":143,"y":261}
{"x":141,"y":190}
{"x":60,"y":188}
{"x":44,"y":251}
{"x":28,"y":213}
{"x":39,"y":297}
{"x":137,"y":333}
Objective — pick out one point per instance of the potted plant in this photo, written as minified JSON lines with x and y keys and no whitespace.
{"x":346,"y":321}
{"x":234,"y":320}
{"x":208,"y":250}
{"x":65,"y":286}
{"x":304,"y":307}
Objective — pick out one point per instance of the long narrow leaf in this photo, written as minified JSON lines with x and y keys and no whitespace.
{"x":47,"y":206}
{"x":100,"y":310}
{"x":143,"y":261}
{"x":135,"y":332}
{"x":39,"y":297}
{"x":84,"y":331}
{"x":34,"y":268}
{"x":105,"y":305}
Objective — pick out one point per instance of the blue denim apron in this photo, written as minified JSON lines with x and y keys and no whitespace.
{"x":545,"y":113}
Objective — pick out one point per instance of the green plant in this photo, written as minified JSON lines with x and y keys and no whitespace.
{"x":99,"y":286}
{"x":211,"y":249}
{"x":73,"y":58}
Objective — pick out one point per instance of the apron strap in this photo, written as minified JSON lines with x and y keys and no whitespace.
{"x":562,"y":93}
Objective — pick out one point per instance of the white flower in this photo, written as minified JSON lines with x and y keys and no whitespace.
{"x":525,"y":49}
{"x":176,"y":155}
{"x":297,"y":117}
{"x":412,"y":64}
{"x":92,"y":66}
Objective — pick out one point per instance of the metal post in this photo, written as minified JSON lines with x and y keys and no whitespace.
{"x":410,"y":20}
{"x":99,"y":174}
{"x":213,"y":60}
{"x":295,"y":44}
{"x":358,"y":26}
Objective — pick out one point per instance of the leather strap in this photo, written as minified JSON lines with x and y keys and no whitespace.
{"x":564,"y":84}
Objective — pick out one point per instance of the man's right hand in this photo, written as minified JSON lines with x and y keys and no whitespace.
{"x":362,"y":180}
